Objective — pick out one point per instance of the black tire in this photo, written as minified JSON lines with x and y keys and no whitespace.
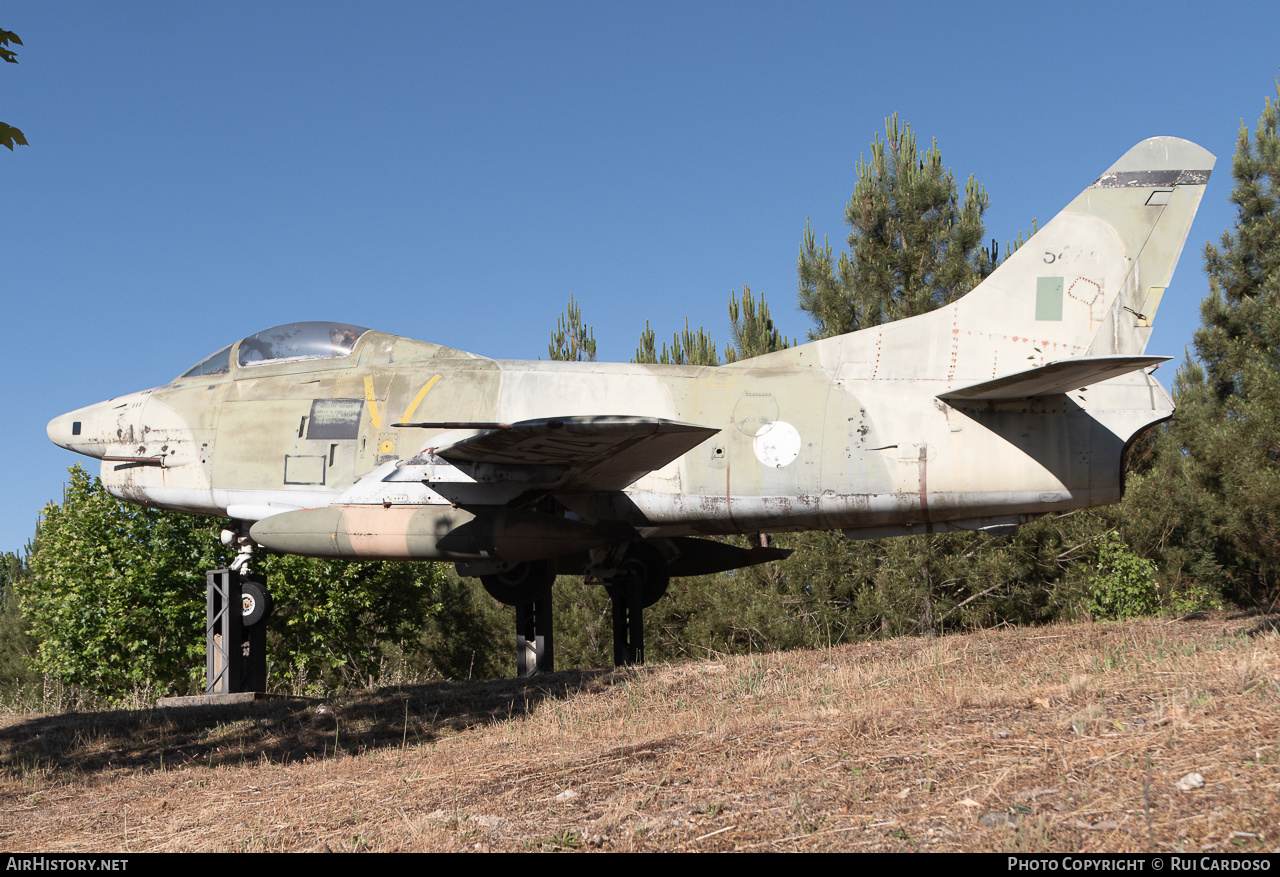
{"x":645,"y":562}
{"x":255,"y":603}
{"x":523,"y":583}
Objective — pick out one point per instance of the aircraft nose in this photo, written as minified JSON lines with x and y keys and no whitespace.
{"x":76,"y":431}
{"x":95,"y":429}
{"x":92,"y":429}
{"x":62,"y":429}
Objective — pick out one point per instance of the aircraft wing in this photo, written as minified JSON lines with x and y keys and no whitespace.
{"x":1062,"y":376}
{"x":574,"y":453}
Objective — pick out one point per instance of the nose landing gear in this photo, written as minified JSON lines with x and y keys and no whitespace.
{"x":236,"y":641}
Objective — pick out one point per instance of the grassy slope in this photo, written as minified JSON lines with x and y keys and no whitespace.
{"x":1077,"y":733}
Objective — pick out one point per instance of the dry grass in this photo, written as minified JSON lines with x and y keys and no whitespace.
{"x":1067,"y":738}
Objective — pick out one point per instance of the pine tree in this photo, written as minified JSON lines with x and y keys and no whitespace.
{"x":647,"y":352}
{"x":750,"y":325}
{"x":913,"y":244}
{"x":1228,"y":418}
{"x":572,"y":341}
{"x":752,"y":328}
{"x":687,"y":348}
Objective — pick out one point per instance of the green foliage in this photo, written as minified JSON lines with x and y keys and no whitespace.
{"x":934,"y":584}
{"x":116,"y":600}
{"x":7,"y":37}
{"x":13,"y":569}
{"x":1228,"y":423}
{"x":116,"y":595}
{"x":472,"y":636}
{"x":1166,"y":518}
{"x":1125,"y":584}
{"x":913,"y":244}
{"x":833,"y":590}
{"x":572,"y":341}
{"x":647,"y":352}
{"x":334,"y":619}
{"x":583,"y":625}
{"x":752,"y":328}
{"x":687,"y":348}
{"x":9,"y":135}
{"x":17,"y":647}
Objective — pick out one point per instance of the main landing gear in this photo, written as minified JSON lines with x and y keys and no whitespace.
{"x":634,"y":584}
{"x":634,"y":575}
{"x":527,"y":586}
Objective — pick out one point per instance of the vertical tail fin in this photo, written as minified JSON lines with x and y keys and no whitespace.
{"x":1089,"y":282}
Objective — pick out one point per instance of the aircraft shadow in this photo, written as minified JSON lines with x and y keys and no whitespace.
{"x":278,"y":731}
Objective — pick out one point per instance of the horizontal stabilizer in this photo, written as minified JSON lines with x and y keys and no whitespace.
{"x":1062,"y":376}
{"x":596,"y":453}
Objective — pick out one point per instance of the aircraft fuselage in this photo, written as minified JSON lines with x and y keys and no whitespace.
{"x":797,"y":447}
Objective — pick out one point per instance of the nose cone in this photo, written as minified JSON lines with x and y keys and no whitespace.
{"x":77,"y":431}
{"x":91,"y":429}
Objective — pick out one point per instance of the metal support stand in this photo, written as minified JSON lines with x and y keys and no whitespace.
{"x":628,"y":620}
{"x":535,"y":641}
{"x":235,"y":655}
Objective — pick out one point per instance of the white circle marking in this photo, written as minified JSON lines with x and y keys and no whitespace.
{"x":777,"y":444}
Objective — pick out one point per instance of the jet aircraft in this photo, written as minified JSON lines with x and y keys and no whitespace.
{"x":333,"y":440}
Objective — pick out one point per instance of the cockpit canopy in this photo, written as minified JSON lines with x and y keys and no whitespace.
{"x":290,"y":342}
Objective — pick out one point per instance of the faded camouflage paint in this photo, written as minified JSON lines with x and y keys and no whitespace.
{"x":845,"y":433}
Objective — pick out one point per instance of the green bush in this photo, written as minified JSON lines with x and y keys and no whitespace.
{"x":1125,"y":584}
{"x":116,"y":600}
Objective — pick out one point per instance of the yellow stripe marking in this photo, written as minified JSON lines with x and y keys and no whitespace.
{"x":417,"y":400}
{"x":374,"y":417}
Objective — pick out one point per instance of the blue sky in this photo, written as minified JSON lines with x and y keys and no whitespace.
{"x":455,"y":171}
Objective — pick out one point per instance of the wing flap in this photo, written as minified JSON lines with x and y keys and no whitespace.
{"x":597,"y":453}
{"x":1062,"y":376}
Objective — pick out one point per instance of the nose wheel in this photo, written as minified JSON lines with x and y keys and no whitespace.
{"x":255,"y":602}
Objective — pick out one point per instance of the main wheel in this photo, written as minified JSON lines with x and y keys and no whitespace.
{"x":645,"y":562}
{"x":255,"y":603}
{"x":521,"y":583}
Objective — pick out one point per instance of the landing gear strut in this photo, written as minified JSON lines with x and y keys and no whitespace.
{"x":634,"y":575}
{"x":527,"y":587}
{"x":237,"y":606}
{"x":637,"y":582}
